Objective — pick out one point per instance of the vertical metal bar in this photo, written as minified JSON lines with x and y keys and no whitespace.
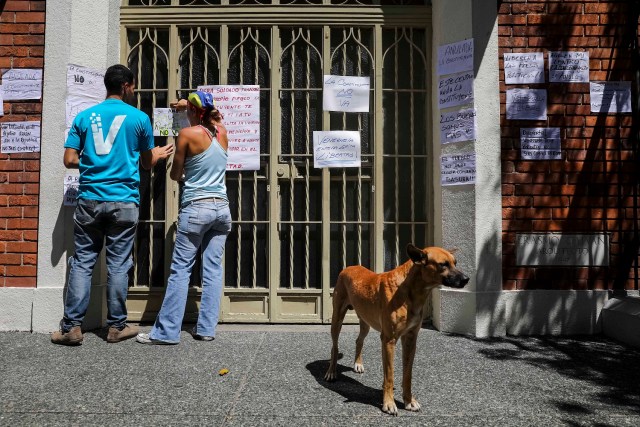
{"x":306,"y":172}
{"x":171,"y":196}
{"x":412,"y":192}
{"x":239,"y":239}
{"x":326,"y":193}
{"x":151,"y":171}
{"x":274,"y":197}
{"x":378,"y":148}
{"x":255,"y":186}
{"x":191,"y":38}
{"x":395,"y":153}
{"x":359,"y":184}
{"x":344,"y":174}
{"x":135,"y":274}
{"x":292,"y":151}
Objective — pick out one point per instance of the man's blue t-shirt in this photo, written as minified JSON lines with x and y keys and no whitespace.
{"x":109,"y":138}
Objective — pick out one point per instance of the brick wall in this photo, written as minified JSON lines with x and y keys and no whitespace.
{"x":594,"y":187}
{"x":21,"y":46}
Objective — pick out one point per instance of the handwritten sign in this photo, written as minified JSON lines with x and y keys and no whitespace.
{"x":458,"y":126}
{"x":526,"y":104}
{"x":346,"y":93}
{"x":569,"y":67}
{"x":336,"y":149}
{"x":21,"y":84}
{"x":1,"y":103}
{"x":523,"y":68}
{"x":456,"y":90}
{"x":455,"y":57}
{"x":85,"y":88}
{"x":610,"y":97}
{"x":458,"y":169}
{"x":240,"y":106}
{"x":20,"y":137}
{"x":562,"y":249}
{"x":168,"y":122}
{"x":540,"y":144}
{"x":71,"y":188}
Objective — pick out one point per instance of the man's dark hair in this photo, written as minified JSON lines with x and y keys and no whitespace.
{"x":115,"y":77}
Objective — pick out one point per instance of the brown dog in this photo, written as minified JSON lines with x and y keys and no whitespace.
{"x":391,"y":303}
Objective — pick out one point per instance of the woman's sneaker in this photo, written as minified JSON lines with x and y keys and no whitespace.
{"x":195,"y":336}
{"x":143,"y":338}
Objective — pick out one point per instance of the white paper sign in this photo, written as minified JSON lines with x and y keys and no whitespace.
{"x":336,"y":149}
{"x":526,"y":104}
{"x":610,"y":97}
{"x":455,"y":57}
{"x":458,"y":126}
{"x":523,"y":68}
{"x":71,"y":187}
{"x":240,"y":106}
{"x":458,"y":169}
{"x":168,"y":122}
{"x":455,"y":90}
{"x":85,"y":88}
{"x":21,"y":84}
{"x":20,"y":137}
{"x":568,"y":67}
{"x":346,"y":93}
{"x":1,"y":103}
{"x":540,"y":144}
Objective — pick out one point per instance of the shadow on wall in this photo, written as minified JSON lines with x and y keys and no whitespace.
{"x":609,"y":369}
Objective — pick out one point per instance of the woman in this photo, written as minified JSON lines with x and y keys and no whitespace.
{"x":204,"y":221}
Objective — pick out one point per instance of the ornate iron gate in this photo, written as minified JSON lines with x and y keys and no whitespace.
{"x":295,"y":227}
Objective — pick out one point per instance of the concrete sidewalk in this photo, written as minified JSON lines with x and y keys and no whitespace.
{"x":276,"y":375}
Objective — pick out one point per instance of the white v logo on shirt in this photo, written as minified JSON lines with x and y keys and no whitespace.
{"x":103,"y":146}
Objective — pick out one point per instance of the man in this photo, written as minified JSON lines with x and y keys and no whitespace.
{"x":105,"y":142}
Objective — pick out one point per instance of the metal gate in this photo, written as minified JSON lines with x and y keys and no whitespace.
{"x":294,"y":226}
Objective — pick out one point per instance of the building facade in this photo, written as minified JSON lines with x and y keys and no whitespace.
{"x":546,"y":232}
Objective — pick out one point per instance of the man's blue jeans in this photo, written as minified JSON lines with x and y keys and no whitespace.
{"x":95,"y":222}
{"x":200,"y":223}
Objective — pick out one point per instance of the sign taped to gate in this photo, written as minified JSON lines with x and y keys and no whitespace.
{"x":336,"y":149}
{"x":348,"y":94}
{"x":240,"y":106}
{"x":168,"y":122}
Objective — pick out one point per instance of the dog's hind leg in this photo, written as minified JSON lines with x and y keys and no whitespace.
{"x":340,"y":307}
{"x":364,"y":330}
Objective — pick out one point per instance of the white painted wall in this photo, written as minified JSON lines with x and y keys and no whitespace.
{"x":83,"y":32}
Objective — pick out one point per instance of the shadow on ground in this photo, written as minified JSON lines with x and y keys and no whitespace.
{"x":608,"y":368}
{"x":349,"y":388}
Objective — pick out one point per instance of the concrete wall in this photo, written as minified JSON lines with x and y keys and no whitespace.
{"x":82,"y":32}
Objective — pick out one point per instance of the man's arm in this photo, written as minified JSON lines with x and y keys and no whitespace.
{"x":71,"y":158}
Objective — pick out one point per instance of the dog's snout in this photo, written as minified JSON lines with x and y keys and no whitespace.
{"x":456,"y":280}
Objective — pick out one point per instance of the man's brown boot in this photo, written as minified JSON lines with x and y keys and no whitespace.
{"x":116,"y":335}
{"x":72,"y":337}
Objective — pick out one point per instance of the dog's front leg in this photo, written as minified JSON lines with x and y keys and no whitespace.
{"x":388,"y":350}
{"x":408,"y":353}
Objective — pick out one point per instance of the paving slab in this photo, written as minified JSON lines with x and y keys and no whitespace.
{"x":276,"y":378}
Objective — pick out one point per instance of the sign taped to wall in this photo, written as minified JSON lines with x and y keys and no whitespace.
{"x":22,"y":84}
{"x":240,"y":106}
{"x":20,"y":137}
{"x":455,"y":57}
{"x":348,"y":94}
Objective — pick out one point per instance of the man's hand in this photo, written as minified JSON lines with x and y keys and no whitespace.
{"x":149,"y":158}
{"x":162,"y":152}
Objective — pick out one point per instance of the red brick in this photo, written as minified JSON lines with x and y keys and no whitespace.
{"x":36,"y":28}
{"x":23,"y":200}
{"x":16,"y":5}
{"x":30,"y":212}
{"x":19,"y":177}
{"x":10,"y":212}
{"x":30,"y":259}
{"x":37,"y":17}
{"x":38,"y":5}
{"x":28,"y":40}
{"x":14,"y":28}
{"x":10,"y":235}
{"x":10,"y":259}
{"x":11,"y":189}
{"x":36,"y":51}
{"x":21,"y":224}
{"x":20,"y":282}
{"x":21,"y":247}
{"x":28,"y":63}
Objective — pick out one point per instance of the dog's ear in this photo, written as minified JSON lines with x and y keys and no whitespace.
{"x":416,"y":254}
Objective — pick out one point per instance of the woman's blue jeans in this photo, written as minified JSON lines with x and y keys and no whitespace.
{"x":203,"y":223}
{"x":95,"y":222}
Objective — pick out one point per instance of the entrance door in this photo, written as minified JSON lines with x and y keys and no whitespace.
{"x":295,"y":226}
